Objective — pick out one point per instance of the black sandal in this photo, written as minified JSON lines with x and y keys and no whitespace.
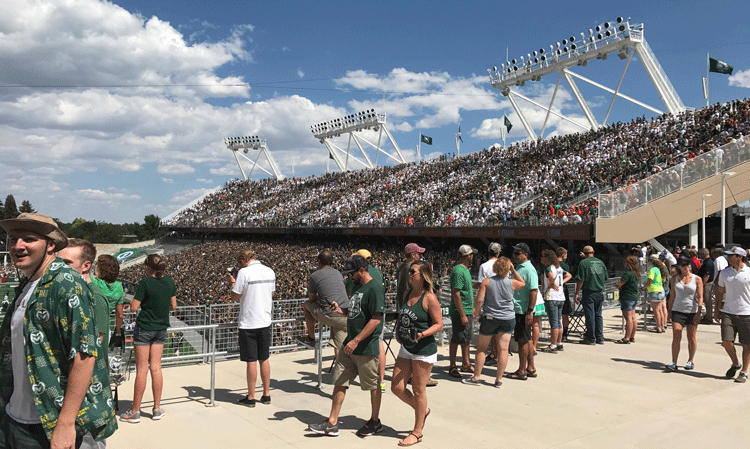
{"x":516,"y":375}
{"x":418,"y":437}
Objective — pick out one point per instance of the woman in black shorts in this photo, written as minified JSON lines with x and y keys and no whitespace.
{"x":686,"y":304}
{"x":155,"y":296}
{"x":494,"y":309}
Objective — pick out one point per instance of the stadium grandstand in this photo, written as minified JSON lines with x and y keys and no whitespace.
{"x":551,"y":182}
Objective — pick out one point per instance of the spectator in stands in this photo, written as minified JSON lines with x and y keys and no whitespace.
{"x":591,"y":277}
{"x":495,"y":310}
{"x":654,"y":289}
{"x":628,"y":287}
{"x":155,"y":296}
{"x":326,"y":286}
{"x":420,"y":318}
{"x":686,"y":304}
{"x":554,"y":297}
{"x":253,"y":289}
{"x":733,"y":303}
{"x":59,"y":413}
{"x":461,"y":310}
{"x":107,"y":269}
{"x":523,"y":303}
{"x":360,"y":354}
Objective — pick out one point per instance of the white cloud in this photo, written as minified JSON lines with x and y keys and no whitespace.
{"x":101,"y":195}
{"x":205,"y":180}
{"x":740,"y":79}
{"x":167,"y":180}
{"x":300,"y":73}
{"x":186,"y":196}
{"x":175,"y":169}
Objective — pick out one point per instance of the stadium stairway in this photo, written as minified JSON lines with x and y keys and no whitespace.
{"x":625,"y":216}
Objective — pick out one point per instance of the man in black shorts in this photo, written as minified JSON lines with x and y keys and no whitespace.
{"x":254,"y":289}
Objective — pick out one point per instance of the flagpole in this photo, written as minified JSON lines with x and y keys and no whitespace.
{"x":502,"y":131}
{"x":708,"y":69}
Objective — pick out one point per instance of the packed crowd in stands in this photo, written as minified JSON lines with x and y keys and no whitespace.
{"x":200,"y":272}
{"x":544,"y":182}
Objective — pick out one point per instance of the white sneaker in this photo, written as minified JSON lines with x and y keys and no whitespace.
{"x":157,"y":414}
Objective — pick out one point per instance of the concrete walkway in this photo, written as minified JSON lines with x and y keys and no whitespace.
{"x":587,"y":396}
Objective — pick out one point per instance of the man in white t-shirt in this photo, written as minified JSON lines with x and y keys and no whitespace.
{"x":733,"y":300}
{"x":254,"y":289}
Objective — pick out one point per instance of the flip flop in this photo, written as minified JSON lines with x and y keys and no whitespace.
{"x":469,"y":369}
{"x":454,"y":373}
{"x":531,"y":373}
{"x":418,"y":437}
{"x":516,"y":375}
{"x":622,"y":342}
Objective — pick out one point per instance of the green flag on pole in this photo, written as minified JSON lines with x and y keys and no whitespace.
{"x":717,"y":66}
{"x":425,"y":139}
{"x":507,"y":123}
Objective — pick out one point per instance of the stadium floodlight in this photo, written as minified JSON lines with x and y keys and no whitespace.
{"x":618,"y":36}
{"x":247,"y":143}
{"x":353,"y":125}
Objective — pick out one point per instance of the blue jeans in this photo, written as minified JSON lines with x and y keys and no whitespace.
{"x":592,"y":310}
{"x":554,"y":311}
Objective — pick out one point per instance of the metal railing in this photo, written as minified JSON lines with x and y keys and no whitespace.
{"x":674,"y":179}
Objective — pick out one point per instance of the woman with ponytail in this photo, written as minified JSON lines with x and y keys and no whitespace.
{"x":155,"y":297}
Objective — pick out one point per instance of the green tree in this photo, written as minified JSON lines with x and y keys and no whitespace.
{"x":11,"y":210}
{"x":150,"y":228}
{"x":26,"y":207}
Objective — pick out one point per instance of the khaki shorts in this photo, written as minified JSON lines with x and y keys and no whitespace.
{"x":336,"y":323}
{"x":732,"y":325}
{"x":348,"y":366}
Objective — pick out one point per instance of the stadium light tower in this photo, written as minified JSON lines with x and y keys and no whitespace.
{"x":353,"y":124}
{"x":617,"y":37}
{"x":252,"y":143}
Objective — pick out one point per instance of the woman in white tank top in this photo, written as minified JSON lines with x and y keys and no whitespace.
{"x":686,"y":304}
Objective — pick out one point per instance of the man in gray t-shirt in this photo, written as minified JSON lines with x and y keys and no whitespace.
{"x":326,"y":287}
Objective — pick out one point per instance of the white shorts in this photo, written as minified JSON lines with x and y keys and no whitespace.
{"x":404,"y":354}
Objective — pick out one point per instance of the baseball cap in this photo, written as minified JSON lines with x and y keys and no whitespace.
{"x":364,"y":253}
{"x":465,"y":250}
{"x":413,"y":248}
{"x":588,"y":249}
{"x":495,"y":248}
{"x":654,"y":257}
{"x":524,"y":248}
{"x":683,"y":260}
{"x":737,"y":251}
{"x":354,"y":263}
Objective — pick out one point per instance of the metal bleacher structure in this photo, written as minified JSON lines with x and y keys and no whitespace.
{"x":673,"y":197}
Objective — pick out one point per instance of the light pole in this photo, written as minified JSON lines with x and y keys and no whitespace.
{"x":703,"y":200}
{"x":724,"y":205}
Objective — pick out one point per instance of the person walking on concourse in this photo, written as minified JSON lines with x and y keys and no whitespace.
{"x":359,"y":356}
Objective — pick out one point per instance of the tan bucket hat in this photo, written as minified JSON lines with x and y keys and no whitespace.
{"x":39,"y":224}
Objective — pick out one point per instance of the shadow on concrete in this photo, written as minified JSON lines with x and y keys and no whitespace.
{"x":660,"y":366}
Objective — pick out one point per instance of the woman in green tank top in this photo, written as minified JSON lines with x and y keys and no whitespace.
{"x":420,"y":318}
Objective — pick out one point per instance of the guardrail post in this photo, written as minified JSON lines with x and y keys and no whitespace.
{"x":212,"y":402}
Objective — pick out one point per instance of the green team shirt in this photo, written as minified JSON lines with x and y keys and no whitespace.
{"x":565,"y":266}
{"x":155,"y":295}
{"x":593,"y":273}
{"x":374,"y":273}
{"x":629,"y":290}
{"x":366,"y":301}
{"x":521,"y":297}
{"x":461,"y":280}
{"x":101,"y":316}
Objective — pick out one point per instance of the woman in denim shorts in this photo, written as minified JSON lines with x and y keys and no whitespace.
{"x":628,"y":287}
{"x":655,"y":292}
{"x":155,"y":297}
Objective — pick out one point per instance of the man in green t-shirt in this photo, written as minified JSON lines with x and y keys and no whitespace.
{"x":591,"y":276}
{"x":359,"y":356}
{"x":461,"y":311}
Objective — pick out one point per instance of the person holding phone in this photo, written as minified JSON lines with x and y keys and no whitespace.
{"x":420,"y":318}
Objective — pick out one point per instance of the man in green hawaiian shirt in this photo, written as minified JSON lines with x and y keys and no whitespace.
{"x":64,"y":394}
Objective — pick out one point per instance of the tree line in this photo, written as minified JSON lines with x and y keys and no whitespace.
{"x":93,"y":231}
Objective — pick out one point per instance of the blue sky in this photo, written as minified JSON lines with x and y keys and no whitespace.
{"x":112,"y":111}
